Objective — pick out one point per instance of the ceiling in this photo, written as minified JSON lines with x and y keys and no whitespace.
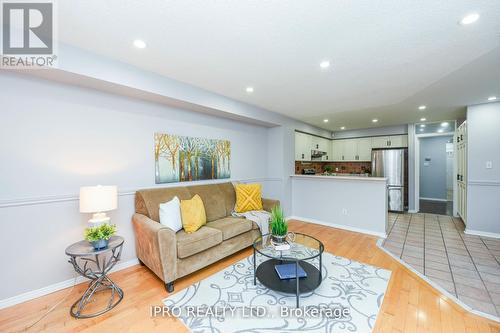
{"x":387,"y":57}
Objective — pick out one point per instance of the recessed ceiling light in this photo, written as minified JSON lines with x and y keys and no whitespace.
{"x":325,"y":120}
{"x":140,"y":44}
{"x":249,"y":90}
{"x":444,"y":124}
{"x":440,"y":130}
{"x":422,"y":107}
{"x":324,"y":64}
{"x":423,"y":119}
{"x":469,"y":19}
{"x":342,"y":128}
{"x":422,"y":125}
{"x":374,"y":120}
{"x":492,"y":98}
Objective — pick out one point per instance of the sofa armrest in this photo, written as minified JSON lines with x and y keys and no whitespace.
{"x":268,"y":204}
{"x":156,"y":246}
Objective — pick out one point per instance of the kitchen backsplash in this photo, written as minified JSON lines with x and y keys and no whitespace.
{"x":338,"y":167}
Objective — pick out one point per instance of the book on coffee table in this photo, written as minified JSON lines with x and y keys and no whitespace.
{"x":287,"y":271}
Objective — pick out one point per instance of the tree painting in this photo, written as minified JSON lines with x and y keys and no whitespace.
{"x":182,"y":158}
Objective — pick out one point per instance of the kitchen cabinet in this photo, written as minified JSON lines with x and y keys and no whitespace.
{"x":344,"y":150}
{"x":303,"y":143}
{"x":364,"y":149}
{"x":352,"y":150}
{"x":337,"y":150}
{"x":392,"y":141}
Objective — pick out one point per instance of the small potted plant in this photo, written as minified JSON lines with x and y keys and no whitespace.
{"x":279,"y":227}
{"x":328,"y":169}
{"x":99,"y":236}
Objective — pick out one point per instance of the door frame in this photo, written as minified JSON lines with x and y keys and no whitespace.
{"x":417,"y":168}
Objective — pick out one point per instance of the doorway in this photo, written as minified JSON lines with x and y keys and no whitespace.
{"x":436,"y":163}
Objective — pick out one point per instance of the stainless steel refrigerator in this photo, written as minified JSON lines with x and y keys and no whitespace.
{"x":390,"y":163}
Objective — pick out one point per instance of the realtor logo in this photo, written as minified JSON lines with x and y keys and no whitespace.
{"x":28,"y":34}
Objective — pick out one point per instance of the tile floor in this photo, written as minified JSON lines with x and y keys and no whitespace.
{"x":467,"y":266}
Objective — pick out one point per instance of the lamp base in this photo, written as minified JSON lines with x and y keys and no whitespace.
{"x":99,"y":219}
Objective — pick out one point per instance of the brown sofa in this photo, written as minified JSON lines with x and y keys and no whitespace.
{"x":172,"y":255}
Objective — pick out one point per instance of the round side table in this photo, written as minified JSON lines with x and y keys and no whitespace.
{"x":95,"y":265}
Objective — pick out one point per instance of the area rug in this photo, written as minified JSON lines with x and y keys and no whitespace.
{"x":346,"y":284}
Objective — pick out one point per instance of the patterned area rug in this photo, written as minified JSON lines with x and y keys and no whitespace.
{"x":346,"y":284}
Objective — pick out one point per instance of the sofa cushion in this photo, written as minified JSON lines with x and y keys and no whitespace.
{"x":198,"y":241}
{"x":213,"y":199}
{"x":231,"y":226}
{"x":193,"y":214}
{"x":248,"y":197}
{"x":147,"y":202}
{"x":229,"y":196}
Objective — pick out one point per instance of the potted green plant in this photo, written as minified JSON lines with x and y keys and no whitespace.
{"x":328,"y":169}
{"x":99,"y":236}
{"x":279,"y":227}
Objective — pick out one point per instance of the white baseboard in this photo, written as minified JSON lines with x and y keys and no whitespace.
{"x":435,"y":199}
{"x":412,"y":211}
{"x":339,"y":226}
{"x":4,"y":303}
{"x":482,"y":233}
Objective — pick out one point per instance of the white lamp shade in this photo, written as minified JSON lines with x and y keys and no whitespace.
{"x":98,"y":198}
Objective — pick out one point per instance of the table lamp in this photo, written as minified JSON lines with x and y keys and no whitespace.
{"x":98,"y":200}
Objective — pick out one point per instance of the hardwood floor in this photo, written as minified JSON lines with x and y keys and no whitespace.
{"x":410,"y":305}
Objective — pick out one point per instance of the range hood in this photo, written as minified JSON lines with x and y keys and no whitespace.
{"x":317,"y":153}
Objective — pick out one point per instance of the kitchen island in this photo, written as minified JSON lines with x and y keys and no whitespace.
{"x":355,"y":203}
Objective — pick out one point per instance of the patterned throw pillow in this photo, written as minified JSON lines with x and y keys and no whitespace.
{"x":193,"y":214}
{"x":248,"y":197}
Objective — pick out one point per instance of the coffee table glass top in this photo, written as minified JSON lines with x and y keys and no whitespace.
{"x":303,"y":247}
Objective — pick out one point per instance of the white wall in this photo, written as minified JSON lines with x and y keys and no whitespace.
{"x":55,"y":138}
{"x":352,"y":203}
{"x":483,"y":184}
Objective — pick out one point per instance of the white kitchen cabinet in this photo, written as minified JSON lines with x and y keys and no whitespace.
{"x":392,"y":141}
{"x":344,"y":150}
{"x":364,"y":150}
{"x":303,"y":143}
{"x":318,"y":143}
{"x":350,"y":150}
{"x":398,"y":141}
{"x":337,"y":150}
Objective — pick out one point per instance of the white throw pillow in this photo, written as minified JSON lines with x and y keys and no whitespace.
{"x":170,"y":214}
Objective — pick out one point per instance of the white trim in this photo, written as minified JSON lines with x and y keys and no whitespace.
{"x":47,"y":199}
{"x":434,"y":199}
{"x":338,"y":226}
{"x":484,"y":182}
{"x":437,"y":286}
{"x":482,"y":233}
{"x":412,"y":211}
{"x":58,"y":286}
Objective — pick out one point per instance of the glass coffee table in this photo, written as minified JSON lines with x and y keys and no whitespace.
{"x":304,"y":250}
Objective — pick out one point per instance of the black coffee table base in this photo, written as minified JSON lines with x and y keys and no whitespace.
{"x":267,"y":275}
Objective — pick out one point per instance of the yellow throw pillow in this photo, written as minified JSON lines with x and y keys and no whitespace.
{"x":193,"y":214}
{"x":248,"y":197}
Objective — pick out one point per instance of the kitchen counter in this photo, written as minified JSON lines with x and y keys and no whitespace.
{"x":339,"y":177}
{"x":356,"y":203}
